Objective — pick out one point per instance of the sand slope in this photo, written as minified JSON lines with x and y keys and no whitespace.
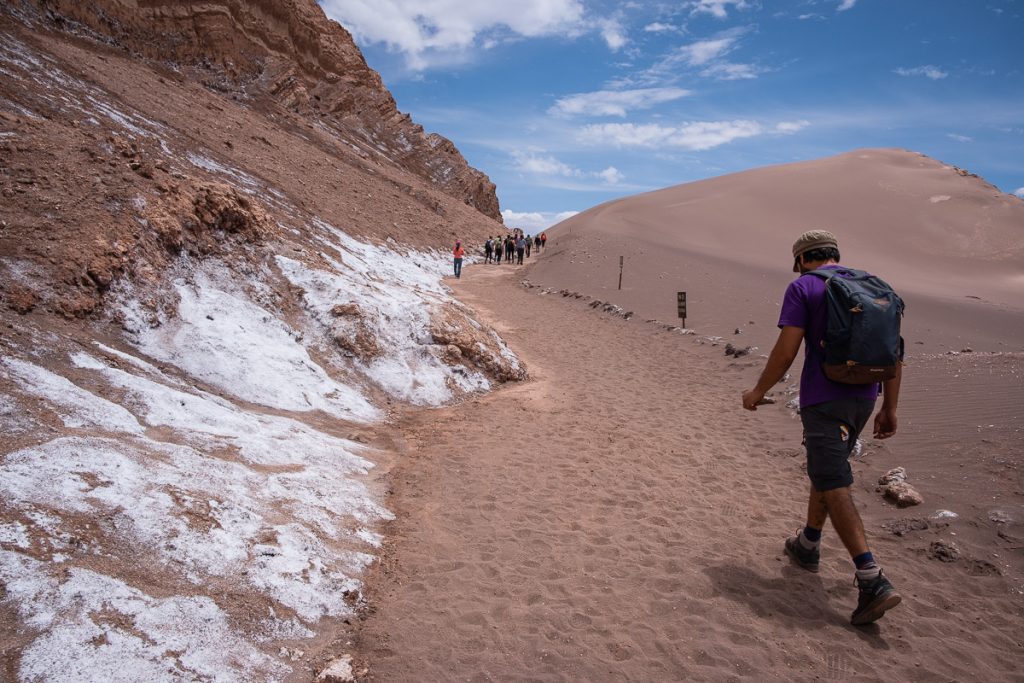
{"x":951,"y":244}
{"x":619,"y":517}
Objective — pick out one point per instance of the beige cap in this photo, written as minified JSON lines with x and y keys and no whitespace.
{"x":814,"y":239}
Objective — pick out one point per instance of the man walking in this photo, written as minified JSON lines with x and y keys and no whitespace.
{"x":833,"y":415}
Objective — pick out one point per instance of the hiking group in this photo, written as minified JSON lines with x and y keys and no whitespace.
{"x":849,"y":324}
{"x":513,"y":248}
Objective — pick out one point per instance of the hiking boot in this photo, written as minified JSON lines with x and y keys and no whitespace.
{"x":876,"y":598}
{"x":808,"y":559}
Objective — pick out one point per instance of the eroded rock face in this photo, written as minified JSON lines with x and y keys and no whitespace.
{"x":290,"y":51}
{"x":466,"y":341}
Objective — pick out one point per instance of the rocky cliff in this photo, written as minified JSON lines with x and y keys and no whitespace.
{"x":287,"y":50}
{"x":222,"y":262}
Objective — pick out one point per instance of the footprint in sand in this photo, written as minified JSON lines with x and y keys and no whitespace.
{"x":837,"y":666}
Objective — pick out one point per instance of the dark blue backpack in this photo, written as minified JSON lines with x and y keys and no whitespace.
{"x":862,"y":342}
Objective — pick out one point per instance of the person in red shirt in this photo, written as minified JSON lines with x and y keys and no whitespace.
{"x":543,"y":240}
{"x":458,"y":252}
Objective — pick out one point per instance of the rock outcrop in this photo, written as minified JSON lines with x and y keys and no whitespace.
{"x":287,"y":50}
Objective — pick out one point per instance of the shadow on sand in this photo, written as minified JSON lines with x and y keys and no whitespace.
{"x":796,"y":599}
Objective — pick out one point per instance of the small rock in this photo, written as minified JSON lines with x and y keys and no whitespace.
{"x":944,"y":514}
{"x":945,"y":551}
{"x":901,"y":527}
{"x":903,"y":494}
{"x":999,"y":517}
{"x":738,"y":331}
{"x":730,"y":349}
{"x":338,"y":671}
{"x":897,"y":474}
{"x":345,"y":309}
{"x":739,"y":353}
{"x":967,"y":350}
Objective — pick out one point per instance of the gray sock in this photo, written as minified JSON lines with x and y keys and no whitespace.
{"x":805,"y":544}
{"x":869,"y":574}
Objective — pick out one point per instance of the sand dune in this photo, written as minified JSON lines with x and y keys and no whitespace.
{"x":619,"y":517}
{"x":958,"y":262}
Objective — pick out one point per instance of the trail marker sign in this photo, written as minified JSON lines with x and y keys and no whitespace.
{"x":681,"y":306}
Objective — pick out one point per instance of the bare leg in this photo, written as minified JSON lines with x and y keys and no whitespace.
{"x":817,"y":513}
{"x":846,"y":520}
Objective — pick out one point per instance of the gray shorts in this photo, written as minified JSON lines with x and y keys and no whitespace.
{"x":830,"y":433}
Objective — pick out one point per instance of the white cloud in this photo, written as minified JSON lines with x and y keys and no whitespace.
{"x":424,"y":29}
{"x":845,"y":5}
{"x":537,"y":163}
{"x":698,"y":135}
{"x":615,"y":102}
{"x":532,"y":163}
{"x":959,"y":138}
{"x":704,"y":51}
{"x":1019,"y":192}
{"x":613,"y":33}
{"x":717,"y":8}
{"x":789,"y":127}
{"x":658,"y":27}
{"x":932,"y":72}
{"x":535,"y":221}
{"x":726,"y":71}
{"x":611,"y":175}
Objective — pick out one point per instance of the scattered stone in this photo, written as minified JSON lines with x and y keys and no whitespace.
{"x":346,"y":309}
{"x":903,"y":494}
{"x":738,"y":331}
{"x":338,"y":671}
{"x":739,"y":353}
{"x":967,"y":350}
{"x":20,"y":299}
{"x":983,"y":568}
{"x":730,"y":349}
{"x":897,"y":474}
{"x":902,"y":527}
{"x":944,"y":551}
{"x":293,"y":654}
{"x":944,"y":514}
{"x":999,"y":517}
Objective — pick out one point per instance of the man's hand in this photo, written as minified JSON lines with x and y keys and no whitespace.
{"x":885,"y":424}
{"x":752,"y":398}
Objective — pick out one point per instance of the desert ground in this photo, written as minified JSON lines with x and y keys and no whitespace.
{"x":620,"y":517}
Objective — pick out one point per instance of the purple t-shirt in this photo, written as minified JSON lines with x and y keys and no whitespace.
{"x":804,"y":306}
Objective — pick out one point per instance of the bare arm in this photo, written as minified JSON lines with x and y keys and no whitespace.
{"x":782,"y":356}
{"x":885,"y":420}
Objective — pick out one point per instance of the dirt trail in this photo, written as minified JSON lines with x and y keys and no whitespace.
{"x":618,"y":517}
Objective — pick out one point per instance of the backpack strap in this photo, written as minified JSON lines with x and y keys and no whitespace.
{"x":830,"y":273}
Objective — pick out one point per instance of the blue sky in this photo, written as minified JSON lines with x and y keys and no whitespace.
{"x":569,"y":103}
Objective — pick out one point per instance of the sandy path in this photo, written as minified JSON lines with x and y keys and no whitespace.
{"x":619,"y":518}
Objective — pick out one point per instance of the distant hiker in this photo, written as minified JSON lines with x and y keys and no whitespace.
{"x":520,"y":248}
{"x":536,"y":243}
{"x":510,"y":247}
{"x":834,"y":412}
{"x":488,"y":250}
{"x":529,"y":243}
{"x":458,"y":253}
{"x":498,"y":250}
{"x":543,"y":240}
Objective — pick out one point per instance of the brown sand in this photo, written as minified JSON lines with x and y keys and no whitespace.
{"x":619,"y":517}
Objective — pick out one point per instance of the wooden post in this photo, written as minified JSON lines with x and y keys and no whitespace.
{"x":621,"y":260}
{"x":681,"y":306}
